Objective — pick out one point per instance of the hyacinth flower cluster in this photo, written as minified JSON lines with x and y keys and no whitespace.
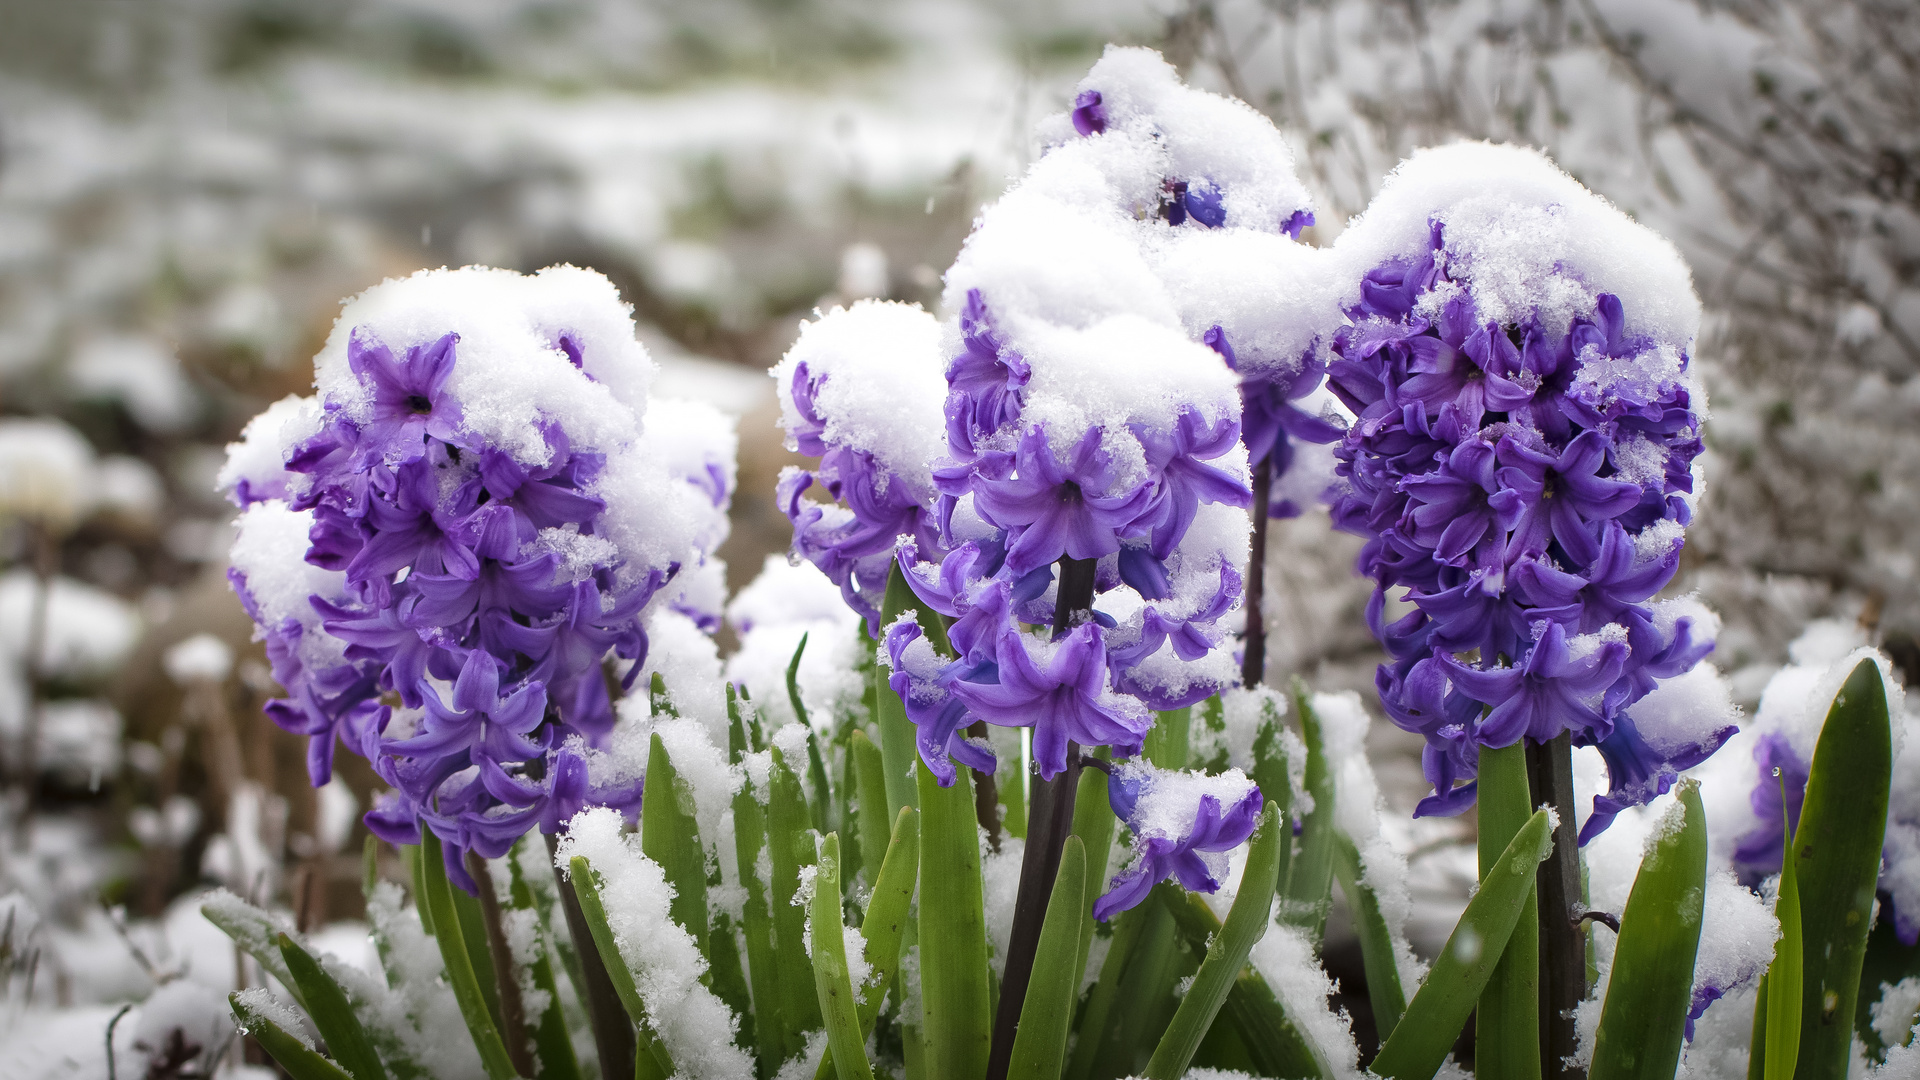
{"x":1242,"y":284}
{"x":448,"y":545}
{"x":1522,"y":465}
{"x":1088,"y":430}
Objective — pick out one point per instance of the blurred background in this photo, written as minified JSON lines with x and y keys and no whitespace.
{"x":188,"y":188}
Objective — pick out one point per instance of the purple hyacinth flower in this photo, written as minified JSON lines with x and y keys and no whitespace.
{"x":985,"y":380}
{"x":384,"y":635}
{"x":408,"y":406}
{"x":1637,"y":773}
{"x":1204,"y":203}
{"x":1177,"y":819}
{"x":478,"y":720}
{"x":1186,"y":480}
{"x":410,"y":526}
{"x":567,"y":788}
{"x":1063,"y":696}
{"x":1757,"y":854}
{"x":547,"y":497}
{"x":920,"y":677}
{"x":1449,"y":509}
{"x":1550,"y":692}
{"x":1089,"y":114}
{"x":1549,"y":497}
{"x":1061,"y":509}
{"x":1297,"y":222}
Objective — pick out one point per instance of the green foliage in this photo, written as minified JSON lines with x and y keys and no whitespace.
{"x":1175,"y":987}
{"x":328,"y":1008}
{"x":1776,"y":1028}
{"x":1309,"y":883}
{"x":1645,"y":1014}
{"x":295,"y":1056}
{"x":1439,"y":1009}
{"x":832,"y":982}
{"x":435,"y":898}
{"x":1046,"y":1016}
{"x":1507,"y":1037}
{"x":1836,"y":852}
{"x":955,"y":1002}
{"x":1246,"y":924}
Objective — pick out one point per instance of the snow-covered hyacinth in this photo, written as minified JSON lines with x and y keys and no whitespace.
{"x":861,"y":389}
{"x":445,"y":543}
{"x":1754,"y":789}
{"x":1239,"y":280}
{"x":1183,"y":825}
{"x":1088,"y":426}
{"x":1523,"y":464}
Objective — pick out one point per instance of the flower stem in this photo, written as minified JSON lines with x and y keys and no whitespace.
{"x":612,"y":1028}
{"x":1563,"y":961}
{"x":1049,"y":822}
{"x":1253,"y":666}
{"x":513,"y":1013}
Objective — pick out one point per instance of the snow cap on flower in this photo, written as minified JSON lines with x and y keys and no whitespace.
{"x":471,"y":514}
{"x":1523,"y":461}
{"x":862,"y":389}
{"x":1183,"y":824}
{"x":1219,"y":162}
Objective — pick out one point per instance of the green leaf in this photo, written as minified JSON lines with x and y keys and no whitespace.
{"x":1270,"y":771}
{"x":1782,"y":1034}
{"x":256,"y":932}
{"x":1309,"y":888}
{"x":1246,"y":924}
{"x":330,"y":1011}
{"x":1149,"y":985}
{"x":473,"y":933}
{"x":293,"y":1054}
{"x":1046,"y":1016}
{"x":1507,"y":1020}
{"x":1166,"y":742}
{"x":436,"y":900}
{"x":832,"y":982}
{"x":788,"y":849}
{"x":1836,"y":847}
{"x":654,"y":1060}
{"x":1276,"y":1044}
{"x":884,"y":926}
{"x":1643,"y":1020}
{"x":670,"y":836}
{"x":552,"y":1045}
{"x":1378,"y":955}
{"x":1888,"y":962}
{"x":1128,"y":928}
{"x":1432,"y":1022}
{"x":770,"y":1032}
{"x":869,"y":779}
{"x":820,"y":795}
{"x":1093,"y":823}
{"x":956,"y":1003}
